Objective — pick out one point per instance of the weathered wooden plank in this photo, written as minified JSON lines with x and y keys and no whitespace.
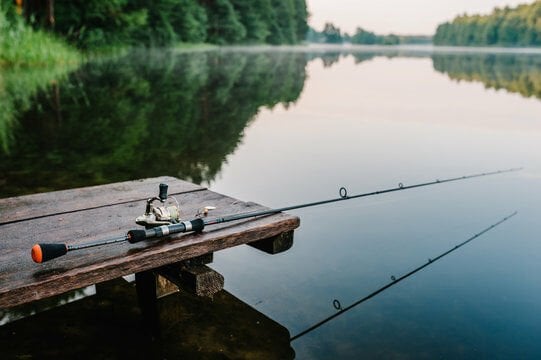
{"x":23,"y":281}
{"x":65,"y":201}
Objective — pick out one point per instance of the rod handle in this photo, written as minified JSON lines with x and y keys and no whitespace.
{"x":45,"y":252}
{"x":134,"y":236}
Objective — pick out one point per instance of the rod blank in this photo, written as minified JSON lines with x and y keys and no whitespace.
{"x":45,"y":252}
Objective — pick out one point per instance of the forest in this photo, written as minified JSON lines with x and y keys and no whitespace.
{"x":519,"y":26}
{"x":91,"y":24}
{"x":332,"y":34}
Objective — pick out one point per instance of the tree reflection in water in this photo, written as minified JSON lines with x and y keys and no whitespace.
{"x":156,"y":112}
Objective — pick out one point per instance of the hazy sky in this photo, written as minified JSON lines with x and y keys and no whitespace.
{"x":398,"y":16}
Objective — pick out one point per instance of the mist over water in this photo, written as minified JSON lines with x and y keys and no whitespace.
{"x":289,"y":126}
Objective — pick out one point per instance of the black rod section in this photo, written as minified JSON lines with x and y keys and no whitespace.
{"x":97,"y":243}
{"x":344,"y":196}
{"x":397,"y":280}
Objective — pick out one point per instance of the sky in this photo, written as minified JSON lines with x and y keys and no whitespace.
{"x":412,"y":17}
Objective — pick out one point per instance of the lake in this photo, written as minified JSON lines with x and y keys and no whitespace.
{"x":280,"y":126}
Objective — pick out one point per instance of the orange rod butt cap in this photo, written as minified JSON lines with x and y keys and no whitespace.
{"x":37,"y":254}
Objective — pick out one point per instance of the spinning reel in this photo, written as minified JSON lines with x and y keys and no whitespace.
{"x":164,"y":215}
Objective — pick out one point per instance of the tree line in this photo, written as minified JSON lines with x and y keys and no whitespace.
{"x":332,"y":34}
{"x":98,"y":23}
{"x":519,"y":26}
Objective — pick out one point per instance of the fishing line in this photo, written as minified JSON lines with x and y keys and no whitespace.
{"x":394,"y":281}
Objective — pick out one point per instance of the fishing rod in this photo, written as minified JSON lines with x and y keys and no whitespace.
{"x":163,"y":221}
{"x":395,"y":281}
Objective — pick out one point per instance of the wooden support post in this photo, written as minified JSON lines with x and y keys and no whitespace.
{"x":146,"y":294}
{"x":275,"y":244}
{"x":194,"y":276}
{"x":202,"y":280}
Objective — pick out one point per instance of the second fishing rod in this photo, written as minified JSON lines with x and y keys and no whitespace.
{"x":162,"y":221}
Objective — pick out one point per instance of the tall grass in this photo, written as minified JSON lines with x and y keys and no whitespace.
{"x":20,"y":45}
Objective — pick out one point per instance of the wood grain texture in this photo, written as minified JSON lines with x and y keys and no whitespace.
{"x":22,"y":281}
{"x":65,"y":201}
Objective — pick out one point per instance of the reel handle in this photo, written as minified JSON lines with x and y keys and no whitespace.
{"x":163,"y":192}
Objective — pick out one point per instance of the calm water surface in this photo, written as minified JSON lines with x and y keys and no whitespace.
{"x":291,"y":126}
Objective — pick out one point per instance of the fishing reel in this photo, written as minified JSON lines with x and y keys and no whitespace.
{"x":164,"y":215}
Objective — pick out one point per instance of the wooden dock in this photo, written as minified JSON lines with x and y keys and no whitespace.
{"x":99,"y":212}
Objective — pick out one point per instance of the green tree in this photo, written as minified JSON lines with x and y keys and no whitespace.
{"x":224,"y":26}
{"x":314,"y":36}
{"x":96,"y":23}
{"x":257,"y":29}
{"x":332,"y":34}
{"x":171,"y":21}
{"x":362,"y":36}
{"x":519,"y":26}
{"x":192,"y":21}
{"x":301,"y":19}
{"x":285,"y":20}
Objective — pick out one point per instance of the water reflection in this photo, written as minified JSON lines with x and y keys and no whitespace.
{"x":27,"y":310}
{"x":515,"y":73}
{"x":163,"y":113}
{"x":394,"y":280}
{"x":144,"y":115}
{"x":109,"y":324}
{"x":387,"y":116}
{"x":18,"y":87}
